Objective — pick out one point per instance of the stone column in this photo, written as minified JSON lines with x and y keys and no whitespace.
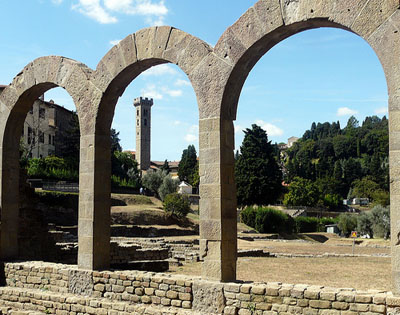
{"x":394,"y":158}
{"x":218,"y":226}
{"x":94,"y":202}
{"x":9,"y":202}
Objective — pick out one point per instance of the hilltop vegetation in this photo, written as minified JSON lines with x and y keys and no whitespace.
{"x":343,"y":162}
{"x":326,"y":165}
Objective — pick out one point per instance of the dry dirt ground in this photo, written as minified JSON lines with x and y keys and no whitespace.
{"x":361,"y":273}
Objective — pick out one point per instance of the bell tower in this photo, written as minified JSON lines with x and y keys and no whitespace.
{"x":143,"y":131}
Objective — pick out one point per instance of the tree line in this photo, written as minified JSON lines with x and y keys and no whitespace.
{"x":326,"y":165}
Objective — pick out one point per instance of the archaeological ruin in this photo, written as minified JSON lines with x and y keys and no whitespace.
{"x":217,"y":75}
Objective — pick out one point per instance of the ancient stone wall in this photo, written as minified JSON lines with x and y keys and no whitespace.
{"x":62,"y":289}
{"x":217,"y":75}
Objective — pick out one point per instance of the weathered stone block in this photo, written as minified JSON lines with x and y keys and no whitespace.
{"x":208,"y":297}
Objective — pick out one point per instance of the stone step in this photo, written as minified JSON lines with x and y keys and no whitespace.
{"x":23,"y":301}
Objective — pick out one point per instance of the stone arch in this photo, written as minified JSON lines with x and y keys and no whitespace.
{"x":239,"y":48}
{"x":36,"y":78}
{"x":117,"y":69}
{"x":269,"y":22}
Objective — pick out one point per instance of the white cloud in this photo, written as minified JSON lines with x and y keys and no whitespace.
{"x":381,"y":111}
{"x":160,"y":70}
{"x":137,"y":7}
{"x":177,"y":123}
{"x":272,"y":130}
{"x":345,"y":111}
{"x":190,"y":138}
{"x":192,"y":133}
{"x":103,"y":11}
{"x":94,"y":10}
{"x":238,"y":128}
{"x":158,"y":92}
{"x":146,"y":7}
{"x":156,"y":22}
{"x":152,"y":92}
{"x":181,"y":82}
{"x":172,"y":93}
{"x":57,"y":1}
{"x":115,"y":42}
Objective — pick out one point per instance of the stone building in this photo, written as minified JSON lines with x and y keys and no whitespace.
{"x":143,"y":131}
{"x":291,"y":141}
{"x":43,"y":123}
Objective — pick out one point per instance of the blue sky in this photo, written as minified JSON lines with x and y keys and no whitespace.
{"x":318,"y":75}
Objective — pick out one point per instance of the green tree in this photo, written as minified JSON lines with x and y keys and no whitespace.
{"x":168,"y":186}
{"x":194,"y":178}
{"x":176,"y":205}
{"x":347,"y":222}
{"x":380,"y":221}
{"x":165,"y":167}
{"x":187,"y":165}
{"x":153,"y":180}
{"x":115,"y":146}
{"x":302,"y":192}
{"x":364,"y":188}
{"x":257,"y":173}
{"x":364,"y":223}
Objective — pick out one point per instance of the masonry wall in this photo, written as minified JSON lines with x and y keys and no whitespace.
{"x":62,"y":289}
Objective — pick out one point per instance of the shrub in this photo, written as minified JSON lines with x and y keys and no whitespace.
{"x":57,"y":198}
{"x":364,"y":223}
{"x":176,"y":205}
{"x":122,"y":182}
{"x":381,"y":197}
{"x":380,"y":217}
{"x":347,"y":222}
{"x":153,"y":180}
{"x":248,"y":216}
{"x":168,"y":186}
{"x":306,"y":224}
{"x":269,"y":220}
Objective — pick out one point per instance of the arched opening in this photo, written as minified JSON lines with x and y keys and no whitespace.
{"x":334,"y":75}
{"x":155,"y":119}
{"x":41,"y":178}
{"x":266,"y":25}
{"x":133,"y":55}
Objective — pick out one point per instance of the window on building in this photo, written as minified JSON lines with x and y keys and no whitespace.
{"x":41,"y":137}
{"x":49,"y":139}
{"x":145,"y":112}
{"x":137,"y":113}
{"x":137,"y":122}
{"x":29,"y":135}
{"x":42,"y":112}
{"x":145,"y":122}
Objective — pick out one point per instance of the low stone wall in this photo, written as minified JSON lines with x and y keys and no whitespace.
{"x":34,"y":283}
{"x":124,"y":253}
{"x":130,"y":286}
